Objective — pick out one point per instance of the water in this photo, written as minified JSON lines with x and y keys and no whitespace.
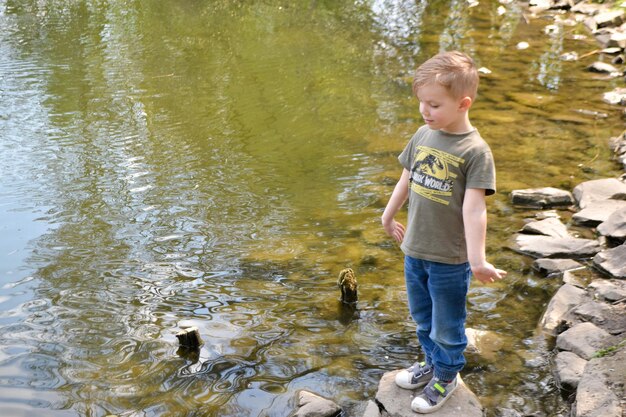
{"x":218,"y":163}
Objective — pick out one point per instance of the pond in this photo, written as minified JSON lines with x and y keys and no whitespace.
{"x":217,"y":163}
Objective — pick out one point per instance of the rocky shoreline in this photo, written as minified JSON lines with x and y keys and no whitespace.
{"x":586,"y":317}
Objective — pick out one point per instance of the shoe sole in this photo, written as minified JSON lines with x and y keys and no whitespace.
{"x":437,"y":406}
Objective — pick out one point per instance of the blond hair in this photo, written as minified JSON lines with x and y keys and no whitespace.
{"x":453,"y":70}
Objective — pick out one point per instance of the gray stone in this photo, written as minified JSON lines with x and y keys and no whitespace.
{"x":603,"y":67}
{"x":617,"y":96}
{"x":584,"y":339}
{"x":555,"y":266}
{"x":598,"y":212}
{"x":397,"y":401}
{"x":612,"y":318}
{"x":569,"y":369}
{"x":601,"y":387}
{"x":555,"y":247}
{"x":614,"y":227}
{"x":542,"y":197}
{"x":610,"y":290}
{"x":612,"y":261}
{"x":372,"y":410}
{"x":563,"y":301}
{"x":610,"y":18}
{"x":312,"y":405}
{"x":597,"y":190}
{"x":548,"y":227}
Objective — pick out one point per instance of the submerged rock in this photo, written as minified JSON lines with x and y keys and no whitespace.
{"x":312,"y":405}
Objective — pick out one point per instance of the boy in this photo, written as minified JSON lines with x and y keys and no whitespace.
{"x":448,"y":171}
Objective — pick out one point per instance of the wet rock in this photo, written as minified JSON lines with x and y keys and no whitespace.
{"x":555,"y":266}
{"x":484,"y":342}
{"x":570,"y":278}
{"x":612,"y":261}
{"x":547,"y":227}
{"x":584,"y":339}
{"x":569,"y":56}
{"x":610,"y":18}
{"x":569,"y":369}
{"x":597,"y":212}
{"x":614,"y":227}
{"x":617,"y":96}
{"x":372,"y":410}
{"x":611,"y":290}
{"x":555,"y":247}
{"x":597,"y":190}
{"x":617,"y":40}
{"x":604,"y":68}
{"x":601,"y":387}
{"x":542,"y":197}
{"x":566,"y":298}
{"x":397,"y":401}
{"x":312,"y":405}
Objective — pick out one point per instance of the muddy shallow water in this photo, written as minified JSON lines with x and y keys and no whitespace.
{"x":217,"y":164}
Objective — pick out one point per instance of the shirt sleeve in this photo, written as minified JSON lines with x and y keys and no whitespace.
{"x":481,"y":173}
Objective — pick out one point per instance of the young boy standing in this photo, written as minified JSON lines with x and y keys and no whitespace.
{"x":448,"y":171}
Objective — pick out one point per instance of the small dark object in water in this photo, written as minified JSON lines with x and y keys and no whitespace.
{"x":348,"y":285}
{"x":189,"y":337}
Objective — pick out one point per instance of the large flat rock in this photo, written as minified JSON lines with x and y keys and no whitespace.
{"x":397,"y":401}
{"x":553,"y":247}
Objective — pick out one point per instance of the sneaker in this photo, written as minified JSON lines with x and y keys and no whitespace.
{"x":435,"y":394}
{"x":414,"y":377}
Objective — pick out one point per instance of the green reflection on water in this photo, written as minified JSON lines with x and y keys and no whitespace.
{"x":217,"y":164}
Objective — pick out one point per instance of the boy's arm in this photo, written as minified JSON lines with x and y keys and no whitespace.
{"x":397,"y":199}
{"x":475,"y":222}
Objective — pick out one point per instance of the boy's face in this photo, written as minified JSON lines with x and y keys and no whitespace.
{"x":440,"y":110}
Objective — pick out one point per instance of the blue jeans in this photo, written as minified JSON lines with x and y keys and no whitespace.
{"x":437,"y":294}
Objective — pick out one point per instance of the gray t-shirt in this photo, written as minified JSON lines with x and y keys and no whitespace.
{"x":442,"y":167}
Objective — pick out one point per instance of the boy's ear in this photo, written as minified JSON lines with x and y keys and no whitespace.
{"x":465,"y":103}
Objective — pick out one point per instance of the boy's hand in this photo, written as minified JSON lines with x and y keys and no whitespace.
{"x":394,"y":229}
{"x":487,"y":273}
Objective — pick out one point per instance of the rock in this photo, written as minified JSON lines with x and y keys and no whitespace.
{"x":312,"y":405}
{"x":563,"y":301}
{"x":601,"y":387}
{"x":597,"y":190}
{"x":484,"y":342}
{"x":617,"y":40}
{"x":617,"y":96}
{"x":372,"y":410}
{"x":555,"y":266}
{"x":597,"y":212}
{"x":612,"y":261}
{"x":610,"y":317}
{"x":610,"y":290}
{"x":569,"y":56}
{"x":547,"y":227}
{"x":555,"y":247}
{"x":603,"y":67}
{"x":584,"y":339}
{"x":569,"y":369}
{"x":570,"y":278}
{"x":397,"y":401}
{"x":610,"y":18}
{"x":614,"y":227}
{"x":542,"y":197}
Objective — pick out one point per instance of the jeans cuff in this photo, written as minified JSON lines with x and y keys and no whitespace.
{"x":444,"y":375}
